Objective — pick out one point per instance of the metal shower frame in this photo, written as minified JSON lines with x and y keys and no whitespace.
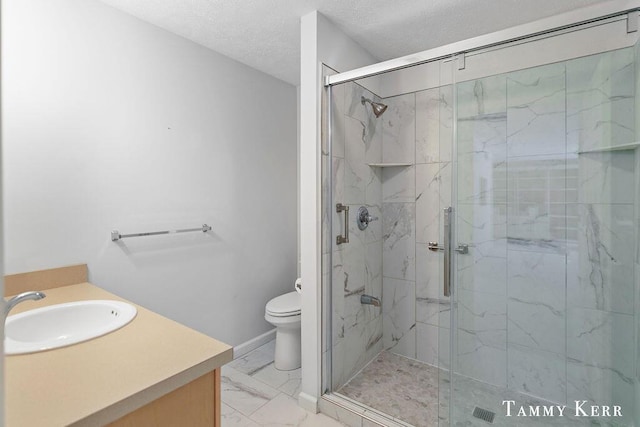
{"x":617,"y":9}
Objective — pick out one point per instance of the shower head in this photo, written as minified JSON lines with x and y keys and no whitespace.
{"x":377,"y":107}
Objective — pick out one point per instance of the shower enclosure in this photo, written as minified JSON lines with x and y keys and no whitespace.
{"x":502,"y":189}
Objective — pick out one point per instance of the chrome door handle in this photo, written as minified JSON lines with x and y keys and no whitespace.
{"x":447,"y":252}
{"x":462,"y":249}
{"x":340,"y":239}
{"x":434,"y":247}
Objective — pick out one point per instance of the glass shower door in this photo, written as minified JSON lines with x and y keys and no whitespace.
{"x":544,"y":303}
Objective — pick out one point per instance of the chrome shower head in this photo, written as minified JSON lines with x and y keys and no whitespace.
{"x":377,"y":107}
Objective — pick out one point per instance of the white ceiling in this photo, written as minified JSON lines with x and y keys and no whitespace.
{"x":265,"y":34}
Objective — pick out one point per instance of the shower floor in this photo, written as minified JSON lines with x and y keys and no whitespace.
{"x":407,"y":390}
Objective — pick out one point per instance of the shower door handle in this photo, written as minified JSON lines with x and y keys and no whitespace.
{"x":434,"y":247}
{"x":447,"y":251}
{"x":340,"y":239}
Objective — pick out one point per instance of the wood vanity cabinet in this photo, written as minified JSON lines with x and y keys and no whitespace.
{"x":196,"y":404}
{"x":153,"y":372}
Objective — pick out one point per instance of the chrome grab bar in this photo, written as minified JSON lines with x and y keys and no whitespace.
{"x":115,"y":234}
{"x":446,"y":248}
{"x":447,"y":251}
{"x":340,"y":239}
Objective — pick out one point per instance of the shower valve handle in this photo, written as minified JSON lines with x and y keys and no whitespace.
{"x":364,"y":218}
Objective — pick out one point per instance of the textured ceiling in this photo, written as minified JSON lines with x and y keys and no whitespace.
{"x":265,"y":34}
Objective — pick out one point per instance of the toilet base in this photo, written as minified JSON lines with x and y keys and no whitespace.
{"x":288,"y":351}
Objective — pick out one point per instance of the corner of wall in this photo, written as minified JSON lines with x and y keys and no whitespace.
{"x":298,"y":258}
{"x":321,"y":43}
{"x":308,"y":402}
{"x":1,"y":261}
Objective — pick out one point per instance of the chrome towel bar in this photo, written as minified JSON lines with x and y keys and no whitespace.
{"x":115,"y":234}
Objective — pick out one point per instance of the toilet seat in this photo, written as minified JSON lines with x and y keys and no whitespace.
{"x":286,"y":305}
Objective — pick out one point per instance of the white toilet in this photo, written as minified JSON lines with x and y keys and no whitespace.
{"x":283,"y":312}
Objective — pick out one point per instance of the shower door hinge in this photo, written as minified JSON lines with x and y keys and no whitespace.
{"x":461,"y":61}
{"x":632,"y":22}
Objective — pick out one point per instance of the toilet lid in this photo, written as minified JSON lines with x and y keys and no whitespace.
{"x":284,"y":305}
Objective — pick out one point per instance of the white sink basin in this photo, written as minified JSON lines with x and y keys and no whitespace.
{"x":64,"y":324}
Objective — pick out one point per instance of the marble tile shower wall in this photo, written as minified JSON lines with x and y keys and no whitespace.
{"x":357,"y":266}
{"x":416,"y":130}
{"x":546,"y":295}
{"x":601,"y":240}
{"x":637,"y":210}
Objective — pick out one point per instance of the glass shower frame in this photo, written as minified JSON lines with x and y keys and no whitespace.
{"x":327,"y":336}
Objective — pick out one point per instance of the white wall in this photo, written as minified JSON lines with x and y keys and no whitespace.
{"x":1,"y":254}
{"x":112,"y":123}
{"x":321,"y":43}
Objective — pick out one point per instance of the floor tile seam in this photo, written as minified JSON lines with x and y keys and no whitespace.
{"x":267,"y":400}
{"x":253,"y":413}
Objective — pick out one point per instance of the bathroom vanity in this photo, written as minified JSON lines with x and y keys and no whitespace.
{"x":152,"y":371}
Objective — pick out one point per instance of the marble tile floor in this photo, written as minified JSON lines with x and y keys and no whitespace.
{"x":408,"y":390}
{"x":255,"y":393}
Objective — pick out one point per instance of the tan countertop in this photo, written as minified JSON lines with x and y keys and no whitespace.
{"x":101,"y":380}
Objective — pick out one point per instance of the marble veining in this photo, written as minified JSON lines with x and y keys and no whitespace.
{"x":600,"y":100}
{"x":545,"y":297}
{"x":601,"y":386}
{"x":398,"y":260}
{"x":399,"y":318}
{"x":356,"y":170}
{"x":536,"y":200}
{"x":356,"y":334}
{"x":604,"y":177}
{"x":601,"y":339}
{"x":483,"y":316}
{"x":246,"y":394}
{"x":486,"y":274}
{"x":536,"y":111}
{"x":445,"y":131}
{"x":266,"y":397}
{"x":428,"y":177}
{"x":536,"y":303}
{"x":484,"y":229}
{"x":398,"y":127}
{"x":537,"y":373}
{"x":482,"y":97}
{"x":602,"y":269}
{"x":428,"y":126}
{"x":398,"y":184}
{"x":428,"y":338}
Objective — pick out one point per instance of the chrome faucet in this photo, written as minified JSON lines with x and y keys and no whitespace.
{"x":35,"y":296}
{"x":369,"y":300}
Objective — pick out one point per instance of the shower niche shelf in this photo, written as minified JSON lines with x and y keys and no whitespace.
{"x":389,"y":165}
{"x":623,"y":147}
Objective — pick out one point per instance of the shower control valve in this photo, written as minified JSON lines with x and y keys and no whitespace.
{"x":364,"y":218}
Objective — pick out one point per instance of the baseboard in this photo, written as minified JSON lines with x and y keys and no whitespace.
{"x":244,"y":348}
{"x":308,"y":402}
